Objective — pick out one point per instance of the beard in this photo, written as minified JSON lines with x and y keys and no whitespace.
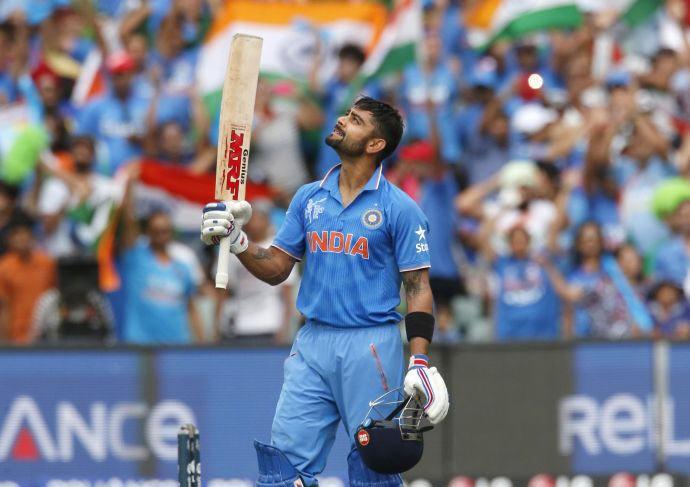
{"x":345,"y":147}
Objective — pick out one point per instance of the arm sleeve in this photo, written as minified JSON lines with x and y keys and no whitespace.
{"x":290,"y":237}
{"x":410,"y":230}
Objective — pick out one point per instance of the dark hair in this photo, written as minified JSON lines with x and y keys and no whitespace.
{"x":352,"y":52}
{"x":10,"y":190}
{"x":664,"y":52}
{"x":20,"y":222}
{"x":550,"y":170}
{"x":388,"y":123}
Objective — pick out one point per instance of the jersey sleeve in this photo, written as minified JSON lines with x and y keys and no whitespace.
{"x":290,"y":237}
{"x":410,"y":229}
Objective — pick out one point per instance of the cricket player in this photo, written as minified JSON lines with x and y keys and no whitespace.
{"x":360,"y":237}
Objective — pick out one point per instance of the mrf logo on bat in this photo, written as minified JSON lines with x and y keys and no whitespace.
{"x":235,"y":171}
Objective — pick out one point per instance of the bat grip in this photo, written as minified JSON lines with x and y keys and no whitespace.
{"x":222,"y":269}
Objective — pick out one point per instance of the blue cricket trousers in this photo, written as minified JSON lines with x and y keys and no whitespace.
{"x":330,"y":376}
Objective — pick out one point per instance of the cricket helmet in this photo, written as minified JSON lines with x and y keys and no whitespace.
{"x":390,"y":440}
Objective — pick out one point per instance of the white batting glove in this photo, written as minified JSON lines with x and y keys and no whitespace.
{"x":226,"y":219}
{"x":428,"y":382}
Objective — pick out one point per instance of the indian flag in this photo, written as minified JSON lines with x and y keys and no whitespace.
{"x":294,"y":32}
{"x":489,"y":21}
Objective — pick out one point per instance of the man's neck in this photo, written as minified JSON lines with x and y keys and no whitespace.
{"x":354,"y":175}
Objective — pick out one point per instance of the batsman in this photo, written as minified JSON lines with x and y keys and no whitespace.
{"x":360,"y":237}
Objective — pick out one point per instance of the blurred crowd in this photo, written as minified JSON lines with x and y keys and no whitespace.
{"x":554,"y":170}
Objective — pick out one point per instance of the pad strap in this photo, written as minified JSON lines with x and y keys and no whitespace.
{"x":275,"y":470}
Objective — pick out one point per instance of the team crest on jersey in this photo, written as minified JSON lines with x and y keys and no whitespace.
{"x":314,"y":209}
{"x":372,"y":218}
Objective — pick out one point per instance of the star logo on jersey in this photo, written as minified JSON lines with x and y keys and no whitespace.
{"x":314,"y":209}
{"x":421,"y":233}
{"x":372,"y":218}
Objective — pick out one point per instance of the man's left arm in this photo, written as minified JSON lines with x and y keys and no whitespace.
{"x":419,"y":324}
{"x":419,"y":300}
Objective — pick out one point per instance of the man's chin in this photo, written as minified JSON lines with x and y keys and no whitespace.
{"x":332,"y":141}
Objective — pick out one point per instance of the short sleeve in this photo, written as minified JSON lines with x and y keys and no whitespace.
{"x":410,"y":229}
{"x":290,"y":237}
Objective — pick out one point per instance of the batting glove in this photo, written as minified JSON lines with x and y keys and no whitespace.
{"x":429,"y":383}
{"x":226,"y":219}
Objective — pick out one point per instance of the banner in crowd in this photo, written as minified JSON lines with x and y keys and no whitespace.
{"x":298,"y":36}
{"x":491,"y":20}
{"x":535,"y":415}
{"x":181,"y":192}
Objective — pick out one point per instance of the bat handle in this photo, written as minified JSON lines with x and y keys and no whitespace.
{"x":222,"y":269}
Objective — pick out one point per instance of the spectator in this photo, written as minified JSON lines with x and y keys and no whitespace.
{"x":421,"y":174}
{"x":333,"y":94}
{"x":427,"y":94}
{"x":74,"y":208}
{"x":256,"y":311}
{"x":276,"y":137}
{"x":515,"y":198}
{"x":630,"y":262}
{"x":170,"y":143}
{"x":483,"y":130}
{"x":176,"y":67}
{"x":9,"y":212}
{"x":526,"y":306}
{"x":640,"y":168}
{"x":605,"y":305}
{"x":117,"y":119}
{"x":25,"y":274}
{"x":670,"y":310}
{"x":159,"y":288}
{"x":673,"y":259}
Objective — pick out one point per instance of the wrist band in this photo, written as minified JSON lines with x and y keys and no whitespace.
{"x":419,"y":324}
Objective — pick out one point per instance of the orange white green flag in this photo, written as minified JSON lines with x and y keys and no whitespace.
{"x":294,"y":32}
{"x":489,"y":21}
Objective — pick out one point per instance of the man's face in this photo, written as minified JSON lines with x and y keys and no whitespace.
{"x":172,"y":141}
{"x":122,"y":83}
{"x":83,"y":157}
{"x":347,"y":69}
{"x":432,"y":49}
{"x":160,"y":231}
{"x":498,"y":129}
{"x":527,"y":57}
{"x":352,"y":132}
{"x":519,"y":242}
{"x":138,"y":49}
{"x":589,"y":243}
{"x":48,"y":90}
{"x":20,"y":240}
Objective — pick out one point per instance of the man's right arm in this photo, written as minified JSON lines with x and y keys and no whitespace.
{"x":271,"y":265}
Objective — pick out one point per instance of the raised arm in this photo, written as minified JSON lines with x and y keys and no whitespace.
{"x":225,"y":220}
{"x":270,"y":265}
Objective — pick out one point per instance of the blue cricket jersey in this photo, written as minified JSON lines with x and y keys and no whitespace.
{"x":354,"y":255}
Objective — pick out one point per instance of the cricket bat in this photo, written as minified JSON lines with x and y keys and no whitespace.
{"x":234,"y":131}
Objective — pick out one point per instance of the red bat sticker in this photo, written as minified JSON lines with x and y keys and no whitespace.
{"x":233,"y":156}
